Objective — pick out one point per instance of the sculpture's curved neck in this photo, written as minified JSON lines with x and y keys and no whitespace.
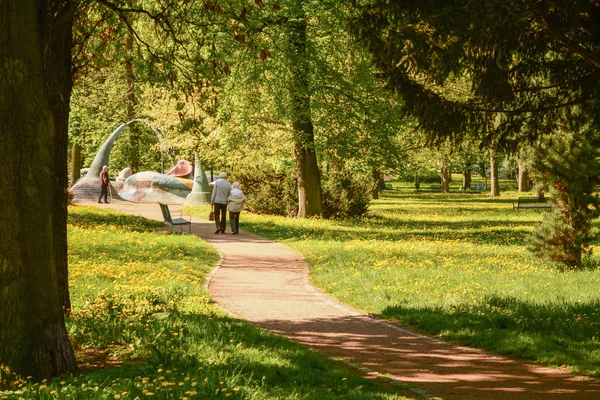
{"x":101,"y":158}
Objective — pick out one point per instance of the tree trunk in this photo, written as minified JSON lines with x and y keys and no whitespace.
{"x":466,"y":183}
{"x":309,"y":178}
{"x":523,"y":180}
{"x":494,"y":183}
{"x":417,"y":180}
{"x":33,"y":337}
{"x":134,"y":132}
{"x":58,"y":76}
{"x":75,"y":163}
{"x":444,"y":174}
{"x":377,"y":186}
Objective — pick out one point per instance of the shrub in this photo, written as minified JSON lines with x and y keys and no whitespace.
{"x":346,"y":195}
{"x":269,"y":191}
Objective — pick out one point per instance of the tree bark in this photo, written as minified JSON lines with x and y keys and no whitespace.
{"x":75,"y":163}
{"x":309,"y":178}
{"x":378,"y":180}
{"x":444,"y":174}
{"x":494,"y":183}
{"x":33,"y":182}
{"x":523,"y":179}
{"x":58,"y":76}
{"x":466,"y":183}
{"x":134,"y":132}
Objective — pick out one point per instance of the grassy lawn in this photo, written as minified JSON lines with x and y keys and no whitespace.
{"x":143,"y":327}
{"x":454,"y":266}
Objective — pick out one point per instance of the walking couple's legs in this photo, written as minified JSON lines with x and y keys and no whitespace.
{"x":234,"y":220}
{"x":220,"y":217}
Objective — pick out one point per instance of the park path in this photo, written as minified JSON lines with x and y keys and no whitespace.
{"x":267,"y":283}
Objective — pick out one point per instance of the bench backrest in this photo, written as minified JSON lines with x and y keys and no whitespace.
{"x":165,"y":212}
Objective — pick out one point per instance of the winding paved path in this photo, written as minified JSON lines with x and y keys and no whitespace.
{"x":267,"y":283}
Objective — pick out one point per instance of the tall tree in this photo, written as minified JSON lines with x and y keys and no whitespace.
{"x":33,"y":338}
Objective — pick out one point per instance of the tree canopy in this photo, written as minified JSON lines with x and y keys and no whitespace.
{"x":523,"y":63}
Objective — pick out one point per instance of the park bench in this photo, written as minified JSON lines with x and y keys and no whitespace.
{"x":479,"y":186}
{"x":174,"y":222}
{"x":531,"y":202}
{"x":386,"y":186}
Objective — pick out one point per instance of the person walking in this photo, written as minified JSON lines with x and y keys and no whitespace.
{"x":235,"y":203}
{"x":104,"y":182}
{"x":218,"y":201}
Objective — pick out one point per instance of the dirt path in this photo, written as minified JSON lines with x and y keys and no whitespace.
{"x":267,"y":283}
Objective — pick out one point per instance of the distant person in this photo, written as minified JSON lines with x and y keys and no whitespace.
{"x":235,"y":205}
{"x":218,"y":201}
{"x":104,"y":182}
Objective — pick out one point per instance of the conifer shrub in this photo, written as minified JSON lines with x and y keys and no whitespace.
{"x":569,"y":163}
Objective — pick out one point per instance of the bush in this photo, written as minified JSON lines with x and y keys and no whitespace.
{"x":346,"y":195}
{"x":425,"y":176}
{"x":270,"y":192}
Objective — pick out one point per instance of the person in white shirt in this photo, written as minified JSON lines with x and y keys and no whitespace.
{"x":235,"y":202}
{"x":218,"y":201}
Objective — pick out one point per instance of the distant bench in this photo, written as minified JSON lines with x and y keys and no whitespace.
{"x":531,"y":203}
{"x":479,"y":186}
{"x":386,"y":186}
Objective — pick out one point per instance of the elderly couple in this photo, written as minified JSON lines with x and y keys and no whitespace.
{"x":227,"y":196}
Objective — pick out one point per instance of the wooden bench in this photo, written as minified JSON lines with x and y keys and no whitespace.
{"x":174,"y":222}
{"x":531,"y":203}
{"x":479,"y":186}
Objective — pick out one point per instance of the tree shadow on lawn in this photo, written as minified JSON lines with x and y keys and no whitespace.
{"x":222,"y":353}
{"x":554,"y":334}
{"x":380,"y":228}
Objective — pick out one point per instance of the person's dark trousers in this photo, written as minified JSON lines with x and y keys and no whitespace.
{"x":103,"y":192}
{"x":234,"y":220}
{"x":221,"y":216}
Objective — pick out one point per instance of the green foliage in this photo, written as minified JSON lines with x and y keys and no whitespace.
{"x":425,"y":176}
{"x":346,"y":194}
{"x":269,"y":191}
{"x":569,"y":162}
{"x":500,"y":71}
{"x":453,"y":266}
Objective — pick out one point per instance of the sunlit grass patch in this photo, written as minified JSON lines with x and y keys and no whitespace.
{"x":453,"y":265}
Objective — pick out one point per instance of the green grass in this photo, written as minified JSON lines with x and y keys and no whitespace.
{"x":143,"y":327}
{"x":453,"y":266}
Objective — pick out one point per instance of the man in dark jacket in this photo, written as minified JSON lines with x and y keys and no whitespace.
{"x":104,"y":182}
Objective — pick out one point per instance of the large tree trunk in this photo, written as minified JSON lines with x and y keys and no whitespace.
{"x":134,"y":132}
{"x":33,"y":338}
{"x":309,"y":178}
{"x":494,"y":183}
{"x":58,"y":43}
